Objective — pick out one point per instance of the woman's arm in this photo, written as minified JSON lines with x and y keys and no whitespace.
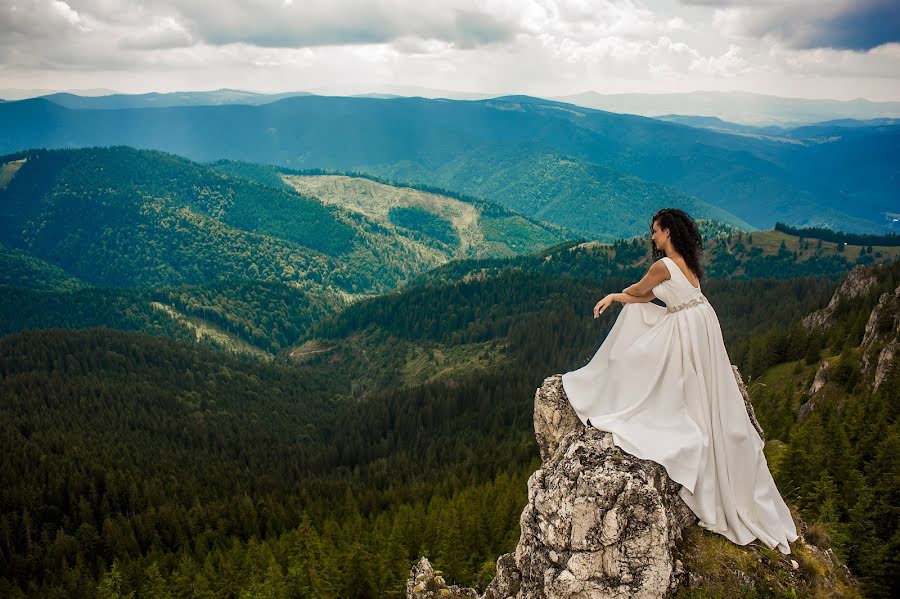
{"x":655,"y":275}
{"x":640,"y":292}
{"x":620,"y":297}
{"x":627,"y":298}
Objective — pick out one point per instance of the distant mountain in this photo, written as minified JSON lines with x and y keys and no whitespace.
{"x":164,"y":100}
{"x":405,"y":91}
{"x":716,"y":124}
{"x":811,"y":132}
{"x":22,"y":94}
{"x":377,"y":96}
{"x":600,"y":173}
{"x":738,"y":107}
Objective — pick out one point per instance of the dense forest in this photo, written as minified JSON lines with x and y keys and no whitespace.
{"x":140,"y":464}
{"x":891,"y":239}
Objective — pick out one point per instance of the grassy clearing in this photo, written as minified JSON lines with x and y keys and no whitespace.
{"x":770,"y":242}
{"x":478,"y":236}
{"x":425,"y":365}
{"x":9,"y":170}
{"x":204,"y":330}
{"x":376,"y":200}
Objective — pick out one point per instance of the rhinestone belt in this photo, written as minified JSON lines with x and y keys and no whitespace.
{"x":689,"y":304}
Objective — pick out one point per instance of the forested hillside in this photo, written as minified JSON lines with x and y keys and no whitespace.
{"x":293,"y":481}
{"x":123,"y":217}
{"x":265,"y":318}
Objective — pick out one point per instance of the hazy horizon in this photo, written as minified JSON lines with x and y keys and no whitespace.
{"x":400,"y":90}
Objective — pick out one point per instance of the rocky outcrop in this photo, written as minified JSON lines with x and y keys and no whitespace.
{"x":857,"y":283}
{"x":598,"y":523}
{"x":881,"y":339}
{"x":886,"y":358}
{"x":820,"y":379}
{"x":813,"y":393}
{"x":425,"y":583}
{"x":749,"y":406}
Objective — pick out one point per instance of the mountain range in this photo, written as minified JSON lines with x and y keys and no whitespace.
{"x":558,"y":162}
{"x":740,"y":107}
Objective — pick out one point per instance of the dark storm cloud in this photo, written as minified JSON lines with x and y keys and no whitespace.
{"x":865,"y":25}
{"x":806,"y":24}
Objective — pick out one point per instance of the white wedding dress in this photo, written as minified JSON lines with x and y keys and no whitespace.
{"x":662,"y":384}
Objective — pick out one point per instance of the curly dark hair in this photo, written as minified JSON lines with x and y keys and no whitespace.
{"x":685,"y":237}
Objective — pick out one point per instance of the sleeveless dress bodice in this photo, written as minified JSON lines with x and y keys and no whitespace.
{"x":677,"y":292}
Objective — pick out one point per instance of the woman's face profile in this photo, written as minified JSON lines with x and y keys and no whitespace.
{"x":656,"y":236}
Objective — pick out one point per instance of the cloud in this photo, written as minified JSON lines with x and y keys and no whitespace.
{"x":544,"y":47}
{"x":39,"y":18}
{"x":461,"y":23}
{"x":165,"y":32}
{"x":473,"y":28}
{"x":857,"y":25}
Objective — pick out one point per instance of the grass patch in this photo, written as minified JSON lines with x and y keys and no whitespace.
{"x":770,"y":243}
{"x":720,"y":569}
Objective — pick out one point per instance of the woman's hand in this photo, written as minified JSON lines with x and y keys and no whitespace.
{"x":603,"y":304}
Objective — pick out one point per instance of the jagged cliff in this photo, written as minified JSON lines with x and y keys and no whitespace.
{"x":602,"y":523}
{"x":857,"y":283}
{"x":881,"y":340}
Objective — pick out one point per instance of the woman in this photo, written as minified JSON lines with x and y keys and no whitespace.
{"x":662,"y":384}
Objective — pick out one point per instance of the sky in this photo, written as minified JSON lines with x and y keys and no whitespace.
{"x":838,"y":49}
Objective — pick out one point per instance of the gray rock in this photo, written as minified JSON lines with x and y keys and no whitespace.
{"x":886,"y":358}
{"x":507,"y":581}
{"x":820,"y":379}
{"x":554,"y":417}
{"x":426,"y":583}
{"x":749,"y":406}
{"x":881,"y":336}
{"x":857,"y":283}
{"x":818,"y":382}
{"x":599,"y":522}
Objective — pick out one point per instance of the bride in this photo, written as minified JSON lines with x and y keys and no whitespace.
{"x":662,"y":384}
